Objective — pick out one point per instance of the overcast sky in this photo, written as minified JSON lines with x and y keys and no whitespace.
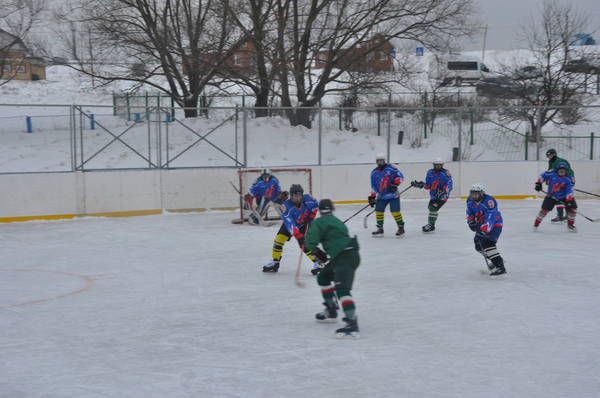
{"x":505,"y":18}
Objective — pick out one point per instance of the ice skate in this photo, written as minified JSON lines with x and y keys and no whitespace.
{"x":272,"y":266}
{"x":400,"y":232}
{"x":558,"y":220}
{"x":377,"y":233}
{"x":350,"y":331}
{"x":428,"y":228}
{"x":328,"y":315}
{"x":496,"y":271}
{"x":571,"y":227}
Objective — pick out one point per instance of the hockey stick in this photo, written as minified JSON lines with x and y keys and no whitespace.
{"x":355,"y":214}
{"x":487,"y":261}
{"x":365,"y":219}
{"x":585,"y":192}
{"x":297,"y":279}
{"x":373,"y":211}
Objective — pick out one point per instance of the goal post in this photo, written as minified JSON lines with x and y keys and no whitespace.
{"x":286,"y":177}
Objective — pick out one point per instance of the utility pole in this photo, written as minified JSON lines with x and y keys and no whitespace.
{"x":485,"y":29}
{"x":73,"y":41}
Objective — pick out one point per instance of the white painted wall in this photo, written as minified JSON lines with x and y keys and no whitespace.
{"x":110,"y":191}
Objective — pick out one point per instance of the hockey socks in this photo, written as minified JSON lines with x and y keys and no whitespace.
{"x":348,"y":304}
{"x":540,"y":217}
{"x":433,"y":215}
{"x":398,"y":218}
{"x":571,"y":213}
{"x":328,"y":293}
{"x":278,"y":244}
{"x":379,"y":219}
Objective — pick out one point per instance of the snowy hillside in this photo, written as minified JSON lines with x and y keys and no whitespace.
{"x":271,"y":142}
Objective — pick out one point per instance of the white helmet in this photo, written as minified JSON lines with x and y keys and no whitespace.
{"x":380,"y":156}
{"x":477,"y":188}
{"x":438,"y":161}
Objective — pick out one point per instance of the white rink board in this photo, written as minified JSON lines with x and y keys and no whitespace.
{"x":112,"y":191}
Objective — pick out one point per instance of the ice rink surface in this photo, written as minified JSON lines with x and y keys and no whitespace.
{"x":177,"y":306}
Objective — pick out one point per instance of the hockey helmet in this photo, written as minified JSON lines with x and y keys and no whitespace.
{"x":477,"y":188}
{"x":562,"y":165}
{"x":380,"y":156}
{"x":326,"y":206}
{"x":265,"y":172}
{"x":296,"y":189}
{"x":550,"y":153}
{"x":438,"y":161}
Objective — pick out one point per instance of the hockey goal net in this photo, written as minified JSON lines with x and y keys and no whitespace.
{"x":286,"y":177}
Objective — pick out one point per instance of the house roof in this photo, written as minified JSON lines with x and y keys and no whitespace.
{"x":11,"y":42}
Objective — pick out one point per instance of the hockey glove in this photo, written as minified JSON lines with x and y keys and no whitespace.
{"x":538,"y":186}
{"x":371,"y":199}
{"x":417,"y":184}
{"x":320,"y":255}
{"x":283,"y":196}
{"x":296,"y":233}
{"x":484,"y":229}
{"x":443,"y":196}
{"x":473,"y":225}
{"x":248,"y":198}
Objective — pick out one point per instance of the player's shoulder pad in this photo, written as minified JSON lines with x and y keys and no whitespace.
{"x":287,"y":205}
{"x":447,"y":172}
{"x":309,"y":199}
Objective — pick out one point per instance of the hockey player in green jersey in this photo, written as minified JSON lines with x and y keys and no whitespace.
{"x":342,"y":252}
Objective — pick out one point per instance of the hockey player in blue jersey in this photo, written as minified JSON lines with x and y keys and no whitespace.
{"x":560,"y":191}
{"x":266,"y":189}
{"x":438,"y":182}
{"x":484,"y":218}
{"x":385,"y":179}
{"x":298,"y":212}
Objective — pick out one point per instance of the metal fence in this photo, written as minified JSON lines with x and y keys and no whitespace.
{"x":51,"y":138}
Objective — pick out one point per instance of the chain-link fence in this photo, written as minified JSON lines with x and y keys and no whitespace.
{"x":52,"y":138}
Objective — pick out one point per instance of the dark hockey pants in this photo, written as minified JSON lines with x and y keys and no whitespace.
{"x":340,"y":270}
{"x":488,"y":249}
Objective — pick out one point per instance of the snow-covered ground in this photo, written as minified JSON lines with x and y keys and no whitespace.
{"x":112,"y":308}
{"x":270,"y":142}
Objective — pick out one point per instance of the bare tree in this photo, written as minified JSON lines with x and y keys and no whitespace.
{"x":17,"y":17}
{"x":181,"y":44}
{"x":336,"y":29}
{"x":255,"y":19}
{"x":542,"y":87}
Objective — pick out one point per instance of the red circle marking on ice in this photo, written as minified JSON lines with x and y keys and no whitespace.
{"x":87,"y":280}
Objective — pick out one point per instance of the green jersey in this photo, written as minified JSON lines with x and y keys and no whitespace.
{"x":332,"y":233}
{"x":556,"y":161}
